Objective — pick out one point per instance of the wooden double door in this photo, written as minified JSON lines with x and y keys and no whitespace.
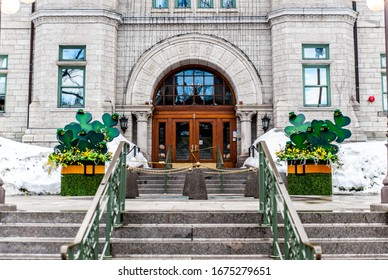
{"x":194,"y":136}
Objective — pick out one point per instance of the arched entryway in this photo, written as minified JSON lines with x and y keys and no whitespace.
{"x":194,"y":114}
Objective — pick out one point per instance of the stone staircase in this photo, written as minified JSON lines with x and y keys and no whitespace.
{"x":192,"y":235}
{"x":153,"y":184}
{"x":348,"y":235}
{"x":195,"y":234}
{"x":239,"y":235}
{"x":36,"y":235}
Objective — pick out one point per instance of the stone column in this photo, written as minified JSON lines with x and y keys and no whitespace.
{"x":3,"y":206}
{"x":246,"y":132}
{"x":142,"y":128}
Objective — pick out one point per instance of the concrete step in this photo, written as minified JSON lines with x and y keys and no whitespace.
{"x":42,"y":217}
{"x":193,"y":231}
{"x":32,"y":245}
{"x":39,"y":230}
{"x":190,"y":257}
{"x":191,"y":217}
{"x":353,"y":246}
{"x":11,"y":256}
{"x":343,"y":217}
{"x":152,"y":246}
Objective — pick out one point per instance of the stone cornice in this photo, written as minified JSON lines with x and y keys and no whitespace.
{"x":312,"y":14}
{"x":77,"y":16}
{"x":187,"y":19}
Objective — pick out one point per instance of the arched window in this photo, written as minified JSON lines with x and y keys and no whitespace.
{"x":194,"y":86}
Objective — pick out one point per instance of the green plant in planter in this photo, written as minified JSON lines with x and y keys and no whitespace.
{"x":83,"y":143}
{"x":312,"y":143}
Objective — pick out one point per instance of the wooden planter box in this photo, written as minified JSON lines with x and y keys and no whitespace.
{"x":81,"y":180}
{"x":309,"y":178}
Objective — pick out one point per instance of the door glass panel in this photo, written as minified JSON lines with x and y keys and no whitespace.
{"x":162,"y":142}
{"x":182,"y":141}
{"x":226,"y":138}
{"x":206,"y":140}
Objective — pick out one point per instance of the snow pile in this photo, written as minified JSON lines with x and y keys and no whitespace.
{"x":23,"y":167}
{"x":363,"y":164}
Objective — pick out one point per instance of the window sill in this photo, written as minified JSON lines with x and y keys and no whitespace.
{"x":3,"y":71}
{"x":65,"y":109}
{"x":315,"y":61}
{"x":159,"y":10}
{"x":312,"y":109}
{"x":71,"y":63}
{"x":183,"y":10}
{"x":229,"y":10}
{"x":4,"y":115}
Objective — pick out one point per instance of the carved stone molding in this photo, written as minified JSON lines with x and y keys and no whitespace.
{"x":77,"y":16}
{"x":200,"y":49}
{"x":142,"y":113}
{"x":312,"y":14}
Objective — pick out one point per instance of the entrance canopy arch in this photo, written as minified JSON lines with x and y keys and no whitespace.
{"x":194,"y":49}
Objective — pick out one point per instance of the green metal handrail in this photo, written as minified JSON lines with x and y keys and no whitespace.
{"x":109,"y":200}
{"x":275,"y":200}
{"x":220,"y":166}
{"x":167,"y":166}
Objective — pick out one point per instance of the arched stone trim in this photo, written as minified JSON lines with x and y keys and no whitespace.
{"x":199,"y":49}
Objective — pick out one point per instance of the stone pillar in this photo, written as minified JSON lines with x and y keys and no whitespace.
{"x":142,"y":116}
{"x":3,"y":206}
{"x":2,"y":192}
{"x":246,"y":132}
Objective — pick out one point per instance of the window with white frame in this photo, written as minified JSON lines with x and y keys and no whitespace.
{"x":205,"y":4}
{"x":3,"y":81}
{"x":71,"y":76}
{"x":316,"y":77}
{"x":183,"y":3}
{"x":228,"y":4}
{"x":160,"y":4}
{"x":383,"y":80}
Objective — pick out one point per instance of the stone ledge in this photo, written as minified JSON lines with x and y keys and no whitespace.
{"x":379,"y":207}
{"x":7,"y":207}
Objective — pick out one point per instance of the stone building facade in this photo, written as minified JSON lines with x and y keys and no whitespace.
{"x":271,"y":57}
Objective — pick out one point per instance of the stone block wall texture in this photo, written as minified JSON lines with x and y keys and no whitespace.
{"x":119,"y":33}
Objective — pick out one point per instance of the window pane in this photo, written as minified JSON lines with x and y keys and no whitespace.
{"x":160,"y":4}
{"x":182,"y":140}
{"x":73,"y":53}
{"x":383,"y":61}
{"x":315,"y":52}
{"x":2,"y":84}
{"x":226,"y":138}
{"x":315,"y":76}
{"x":228,"y":4}
{"x":183,"y":4}
{"x":162,"y":141}
{"x":384,"y":86}
{"x":3,"y":62}
{"x":206,"y":140}
{"x":72,"y":97}
{"x":189,"y":82}
{"x":72,"y":77}
{"x":205,"y":4}
{"x":316,"y":96}
{"x":3,"y":81}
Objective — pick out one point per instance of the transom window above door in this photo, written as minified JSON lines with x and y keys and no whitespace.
{"x":194,"y":86}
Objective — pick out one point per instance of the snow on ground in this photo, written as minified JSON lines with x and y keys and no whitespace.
{"x":23,"y":169}
{"x":363,"y":164}
{"x":22,"y":166}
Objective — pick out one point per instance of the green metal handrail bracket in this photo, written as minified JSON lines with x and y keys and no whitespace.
{"x":275,"y":200}
{"x":109,"y":202}
{"x":220,"y":167}
{"x":167,"y":166}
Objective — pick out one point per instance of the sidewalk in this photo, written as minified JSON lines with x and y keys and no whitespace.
{"x":216,"y":203}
